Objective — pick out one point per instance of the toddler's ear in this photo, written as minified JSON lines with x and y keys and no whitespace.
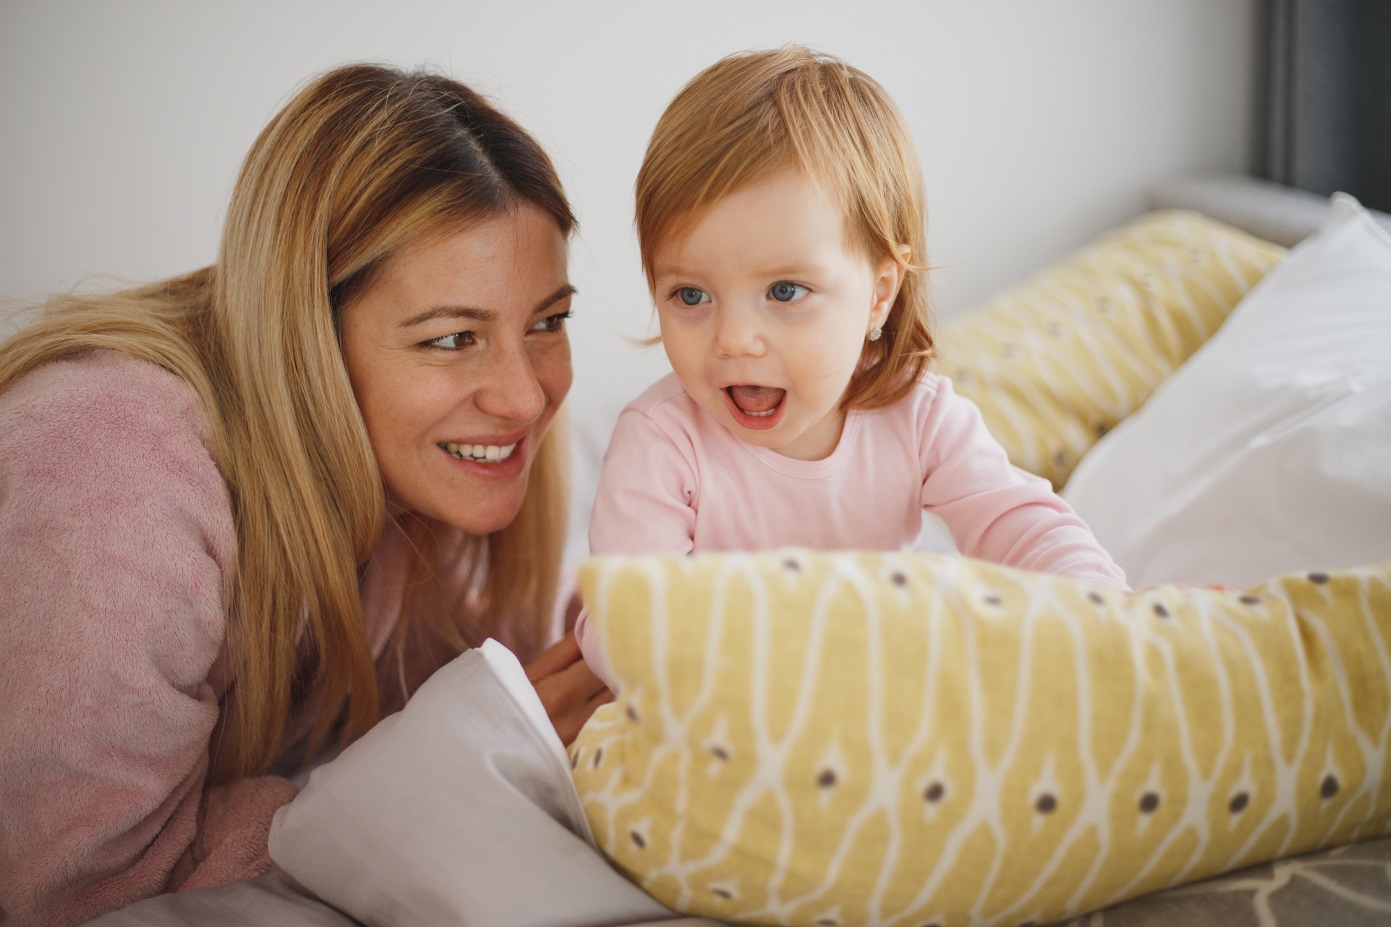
{"x":886,"y":285}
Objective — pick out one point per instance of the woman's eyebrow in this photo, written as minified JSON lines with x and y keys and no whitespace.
{"x":450,"y":312}
{"x":472,"y":314}
{"x":557,"y":296}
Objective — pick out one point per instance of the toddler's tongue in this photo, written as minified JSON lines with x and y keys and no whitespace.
{"x":755,"y":399}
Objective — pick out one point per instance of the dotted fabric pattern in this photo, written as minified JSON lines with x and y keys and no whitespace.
{"x":839,"y":738}
{"x":1058,"y":361}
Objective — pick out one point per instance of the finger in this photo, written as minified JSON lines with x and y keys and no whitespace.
{"x":575,"y":684}
{"x":560,"y":655}
{"x":568,"y":725}
{"x":584,"y":681}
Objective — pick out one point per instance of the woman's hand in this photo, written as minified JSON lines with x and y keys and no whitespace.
{"x":569,"y":690}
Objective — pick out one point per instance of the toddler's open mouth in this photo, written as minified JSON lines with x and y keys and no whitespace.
{"x":758,"y":401}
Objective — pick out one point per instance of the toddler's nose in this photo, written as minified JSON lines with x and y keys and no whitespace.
{"x":738,"y":334}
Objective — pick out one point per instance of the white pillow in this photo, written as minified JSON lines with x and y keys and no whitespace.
{"x":1269,"y":451}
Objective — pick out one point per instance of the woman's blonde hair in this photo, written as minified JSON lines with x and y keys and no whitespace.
{"x":361,"y":162}
{"x":753,"y":114}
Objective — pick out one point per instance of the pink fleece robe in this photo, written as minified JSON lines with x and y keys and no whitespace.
{"x":116,"y":547}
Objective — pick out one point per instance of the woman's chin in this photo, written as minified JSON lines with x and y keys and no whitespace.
{"x":480,"y":514}
{"x":484,"y":518}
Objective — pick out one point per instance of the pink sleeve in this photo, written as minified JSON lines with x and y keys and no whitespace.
{"x":593,"y":654}
{"x":645,"y":503}
{"x":117,"y":532}
{"x":994,"y":510}
{"x":647,"y":495}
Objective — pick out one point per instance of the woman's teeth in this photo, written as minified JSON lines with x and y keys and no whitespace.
{"x":481,"y":452}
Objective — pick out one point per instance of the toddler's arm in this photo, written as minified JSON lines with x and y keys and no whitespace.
{"x":648,"y":492}
{"x":994,"y":510}
{"x":645,"y":504}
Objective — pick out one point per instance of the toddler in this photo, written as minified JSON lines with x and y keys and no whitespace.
{"x":781,"y":225}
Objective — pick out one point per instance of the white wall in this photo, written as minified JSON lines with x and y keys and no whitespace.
{"x":1040,"y":123}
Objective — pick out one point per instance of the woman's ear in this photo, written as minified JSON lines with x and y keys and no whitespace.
{"x":886,"y":286}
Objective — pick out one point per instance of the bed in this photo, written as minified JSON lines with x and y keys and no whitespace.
{"x":1214,"y":746}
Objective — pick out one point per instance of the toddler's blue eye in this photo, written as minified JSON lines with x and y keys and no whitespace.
{"x":691,"y":296}
{"x":785,"y":292}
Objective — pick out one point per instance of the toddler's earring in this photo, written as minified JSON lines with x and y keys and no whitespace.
{"x":875,"y":332}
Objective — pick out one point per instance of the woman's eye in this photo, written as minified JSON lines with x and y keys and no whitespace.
{"x":455,"y":342}
{"x":691,"y":296}
{"x":786,"y":292}
{"x":553,"y":323}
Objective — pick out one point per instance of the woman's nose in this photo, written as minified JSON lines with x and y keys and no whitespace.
{"x":737,"y":333}
{"x":513,"y":390}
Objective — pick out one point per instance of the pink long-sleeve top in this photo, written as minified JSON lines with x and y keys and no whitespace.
{"x":116,"y":546}
{"x":675,"y":481}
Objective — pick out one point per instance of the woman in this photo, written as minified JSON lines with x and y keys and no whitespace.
{"x":246,"y":511}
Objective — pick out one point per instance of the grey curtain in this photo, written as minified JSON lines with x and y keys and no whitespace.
{"x":1324,"y":111}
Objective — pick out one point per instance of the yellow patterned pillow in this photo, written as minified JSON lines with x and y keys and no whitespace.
{"x":845,"y":738}
{"x":1058,"y":361}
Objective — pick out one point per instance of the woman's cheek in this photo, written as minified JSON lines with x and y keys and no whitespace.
{"x":558,"y":372}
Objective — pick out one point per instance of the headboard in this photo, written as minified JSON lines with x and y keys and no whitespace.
{"x":1272,"y":211}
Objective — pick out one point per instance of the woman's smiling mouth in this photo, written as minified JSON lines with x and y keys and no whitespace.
{"x":504,"y":458}
{"x":490,"y":453}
